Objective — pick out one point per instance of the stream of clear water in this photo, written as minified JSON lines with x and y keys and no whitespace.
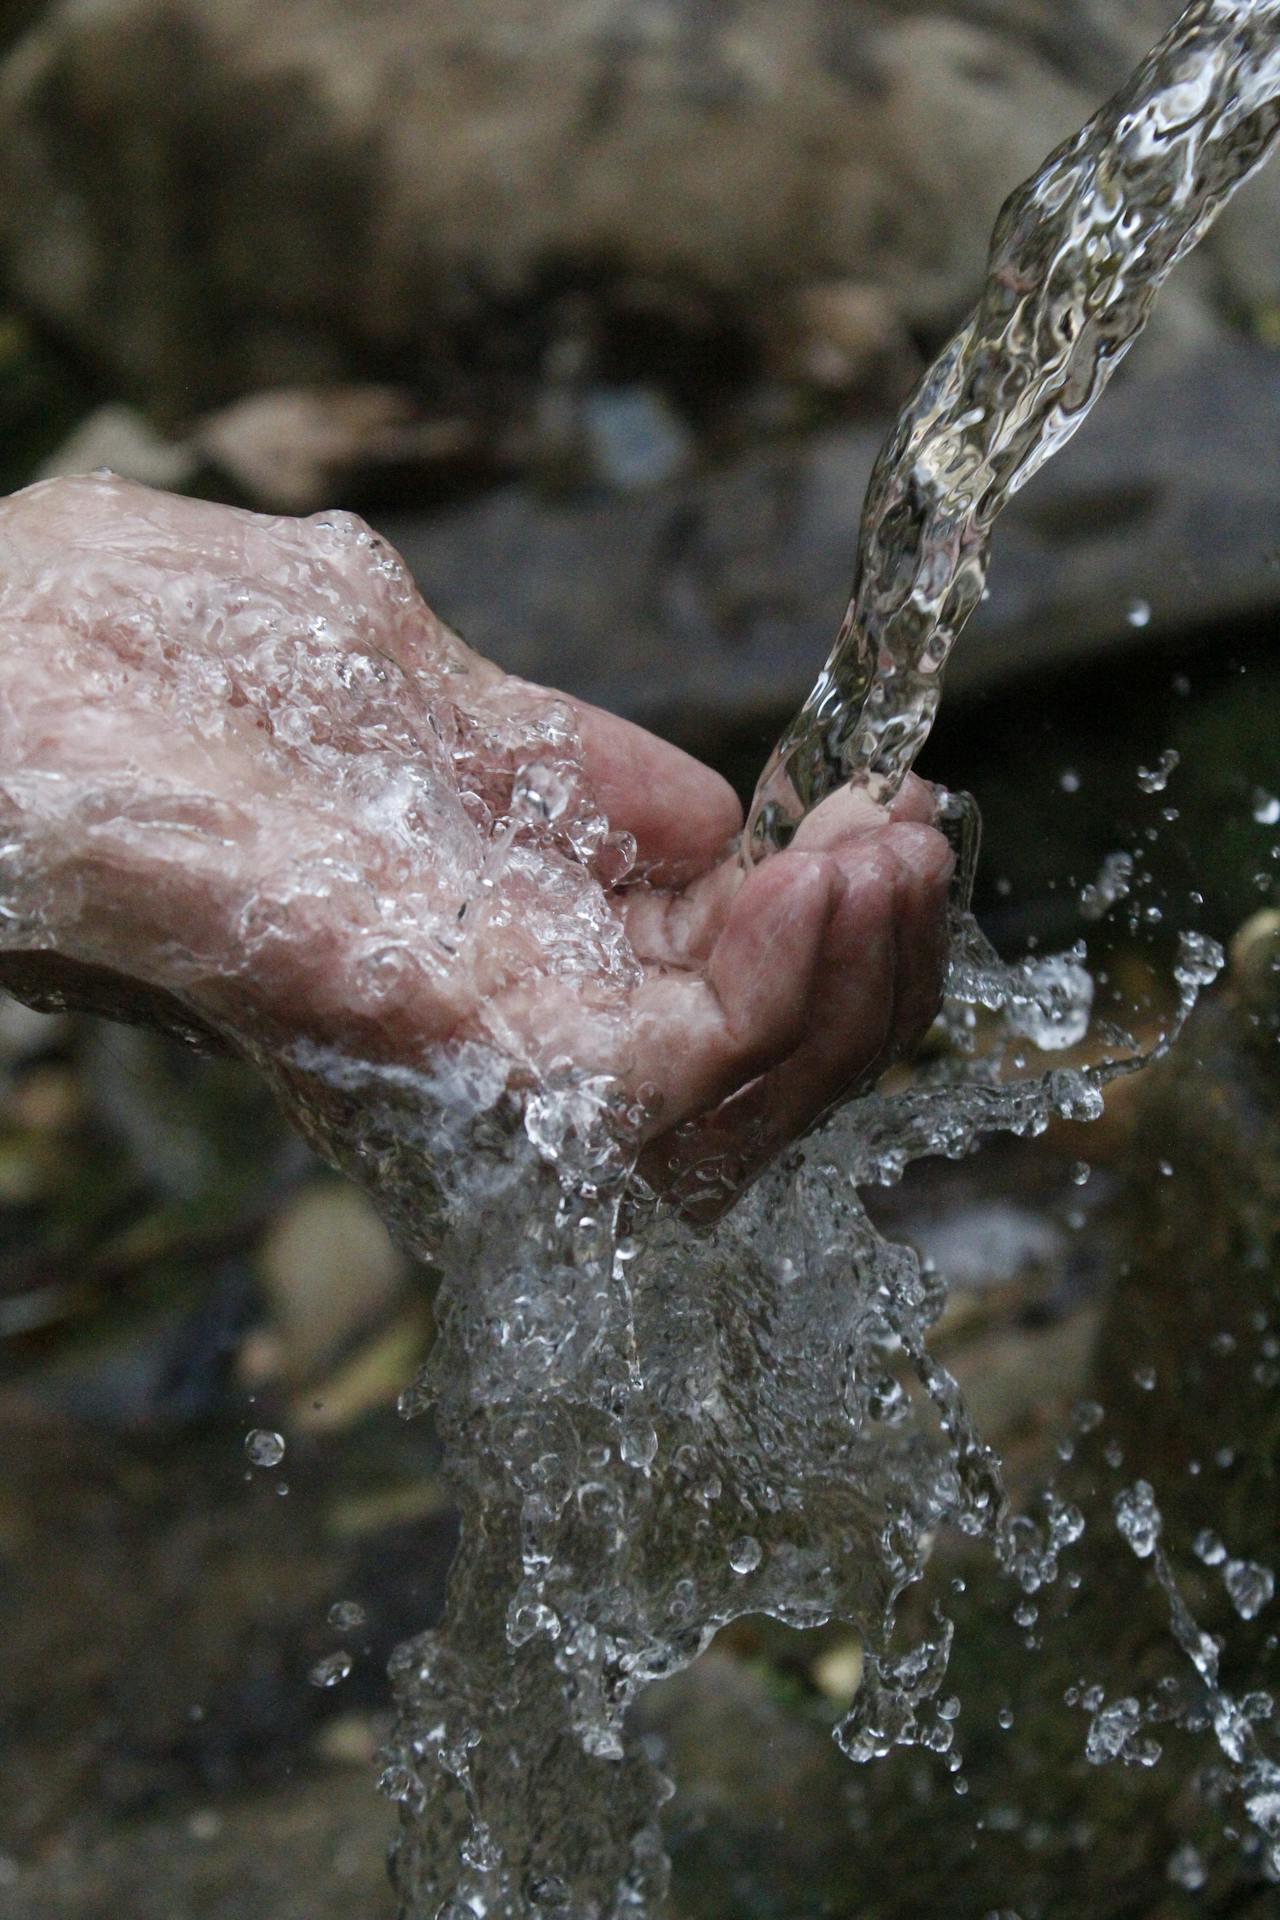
{"x":1077,"y":258}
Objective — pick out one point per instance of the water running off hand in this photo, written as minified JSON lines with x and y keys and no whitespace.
{"x":653,"y":1430}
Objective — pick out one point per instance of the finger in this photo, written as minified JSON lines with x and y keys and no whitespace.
{"x":682,"y":814}
{"x":875,"y":989}
{"x":851,"y":810}
{"x":699,"y":1037}
{"x":927,"y":862}
{"x":680,"y":927}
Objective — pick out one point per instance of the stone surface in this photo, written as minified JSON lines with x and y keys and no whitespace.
{"x":705,"y":608}
{"x":294,"y":450}
{"x":210,"y":196}
{"x":120,"y":438}
{"x":329,"y":1272}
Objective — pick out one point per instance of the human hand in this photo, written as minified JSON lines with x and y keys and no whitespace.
{"x":251,"y":787}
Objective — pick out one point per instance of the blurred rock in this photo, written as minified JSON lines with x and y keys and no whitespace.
{"x":24,"y":1033}
{"x":719,"y":599}
{"x":1255,"y":963}
{"x":371,"y":1378}
{"x":297,"y":450}
{"x":121,"y":439}
{"x":635,"y":439}
{"x":210,"y":197}
{"x":312,"y":1849}
{"x":328,"y":1271}
{"x":845,"y":336}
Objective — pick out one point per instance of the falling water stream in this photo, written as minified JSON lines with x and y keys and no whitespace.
{"x":653,"y":1429}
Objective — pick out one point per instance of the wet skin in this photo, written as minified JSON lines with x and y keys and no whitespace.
{"x":202,"y":715}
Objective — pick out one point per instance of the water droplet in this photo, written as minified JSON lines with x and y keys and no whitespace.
{"x":638,"y":1445}
{"x":1080,"y":1172}
{"x":1145,"y":1377}
{"x":1138,"y":1517}
{"x":264,"y":1448}
{"x":1156,"y":779}
{"x":330,"y":1671}
{"x":1266,"y":807}
{"x":347,"y":1615}
{"x":1138,"y":613}
{"x":1069,"y":780}
{"x":403,"y":1785}
{"x":1004,"y":1718}
{"x":1207,"y":1547}
{"x":1114,"y":1735}
{"x":1250,"y":1586}
{"x":1200,"y":960}
{"x":1186,"y":1869}
{"x":745,"y":1554}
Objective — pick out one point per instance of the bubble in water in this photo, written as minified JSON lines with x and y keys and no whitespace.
{"x":403,"y":1785}
{"x":1156,"y":779}
{"x":1138,"y":613}
{"x":1250,"y":1586}
{"x":1004,"y":1719}
{"x":1138,"y":1517}
{"x":347,"y":1615}
{"x":1145,"y":1377}
{"x":1266,"y":807}
{"x":331,"y":1670}
{"x":1207,"y":1547}
{"x":547,"y":1892}
{"x":264,"y":1448}
{"x":1080,"y":1171}
{"x":1186,"y":1869}
{"x":745,"y":1554}
{"x":1069,"y":780}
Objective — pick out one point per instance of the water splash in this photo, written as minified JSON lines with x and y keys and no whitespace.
{"x":655,"y":1431}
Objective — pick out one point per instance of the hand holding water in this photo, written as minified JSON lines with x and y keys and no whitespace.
{"x":251,"y":787}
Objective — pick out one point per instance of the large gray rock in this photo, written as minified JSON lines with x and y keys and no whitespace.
{"x":705,"y":608}
{"x":209,"y":196}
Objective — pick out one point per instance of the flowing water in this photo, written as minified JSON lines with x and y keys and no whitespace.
{"x":653,"y":1429}
{"x":1077,"y":258}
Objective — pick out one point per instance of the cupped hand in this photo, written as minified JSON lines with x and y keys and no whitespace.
{"x":251,"y":787}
